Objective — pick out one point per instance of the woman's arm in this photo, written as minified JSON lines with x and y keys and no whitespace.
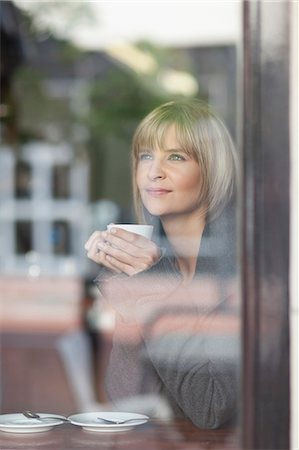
{"x":192,"y":342}
{"x":199,"y":375}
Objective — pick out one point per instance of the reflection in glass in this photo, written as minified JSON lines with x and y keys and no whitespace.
{"x":175,"y":332}
{"x":23,"y":180}
{"x":60,"y":181}
{"x":23,"y":237}
{"x":60,"y":237}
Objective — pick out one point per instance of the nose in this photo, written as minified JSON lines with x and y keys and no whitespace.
{"x":156,"y":170}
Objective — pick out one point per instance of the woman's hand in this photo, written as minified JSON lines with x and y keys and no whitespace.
{"x":122,"y":251}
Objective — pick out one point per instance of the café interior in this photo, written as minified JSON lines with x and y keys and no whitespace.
{"x":68,"y":112}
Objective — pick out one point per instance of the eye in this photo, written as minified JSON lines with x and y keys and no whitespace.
{"x":177,"y":157}
{"x":144,"y":156}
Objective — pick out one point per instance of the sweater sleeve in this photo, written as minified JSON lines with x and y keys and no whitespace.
{"x":199,"y":375}
{"x":195,"y":353}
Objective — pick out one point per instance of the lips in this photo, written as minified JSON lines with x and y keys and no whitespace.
{"x":157,"y":192}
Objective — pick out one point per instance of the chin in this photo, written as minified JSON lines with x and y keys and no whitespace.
{"x":154,"y":211}
{"x":159,"y":212}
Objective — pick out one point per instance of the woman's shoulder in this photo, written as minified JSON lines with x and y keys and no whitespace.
{"x":217,"y":254}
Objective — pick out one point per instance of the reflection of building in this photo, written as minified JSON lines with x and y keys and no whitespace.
{"x":43,"y":214}
{"x":43,"y":218}
{"x":215,"y":68}
{"x":12,"y":55}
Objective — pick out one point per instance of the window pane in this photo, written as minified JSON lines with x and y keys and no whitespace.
{"x":23,"y":230}
{"x":23,"y":180}
{"x":60,"y":182}
{"x":61,"y":238}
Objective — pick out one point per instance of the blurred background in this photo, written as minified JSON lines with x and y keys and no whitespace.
{"x":76,"y":79}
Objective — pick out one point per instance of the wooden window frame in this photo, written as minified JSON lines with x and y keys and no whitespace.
{"x":265,"y":226}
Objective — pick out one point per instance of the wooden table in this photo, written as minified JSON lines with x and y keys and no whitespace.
{"x":155,"y":435}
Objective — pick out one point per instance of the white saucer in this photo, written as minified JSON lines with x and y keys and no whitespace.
{"x":17,"y":423}
{"x":91,"y":422}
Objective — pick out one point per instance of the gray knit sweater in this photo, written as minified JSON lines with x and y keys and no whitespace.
{"x":180,"y":342}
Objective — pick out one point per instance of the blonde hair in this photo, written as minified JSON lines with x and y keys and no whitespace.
{"x":204,"y":137}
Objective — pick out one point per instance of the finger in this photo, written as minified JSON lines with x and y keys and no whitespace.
{"x":96,"y":235}
{"x":131,"y":246}
{"x":115,"y":252}
{"x":128,"y":236}
{"x":143,"y":259}
{"x":101,"y":258}
{"x":94,"y":252}
{"x":127,"y":263}
{"x":122,"y":267}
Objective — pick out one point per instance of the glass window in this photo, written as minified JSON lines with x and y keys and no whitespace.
{"x":60,"y":236}
{"x":23,"y":234}
{"x":60,"y":181}
{"x":23,"y":180}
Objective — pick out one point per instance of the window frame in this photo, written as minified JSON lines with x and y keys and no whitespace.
{"x":265,"y":224}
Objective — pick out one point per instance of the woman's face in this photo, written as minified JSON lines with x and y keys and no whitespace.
{"x":169,"y":180}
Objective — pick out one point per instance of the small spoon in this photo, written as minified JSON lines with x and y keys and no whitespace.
{"x":32,"y":415}
{"x":120,"y":421}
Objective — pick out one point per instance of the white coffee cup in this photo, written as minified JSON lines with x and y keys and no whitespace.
{"x":144,"y":230}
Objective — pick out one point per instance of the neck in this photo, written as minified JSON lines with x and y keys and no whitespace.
{"x":184,"y":233}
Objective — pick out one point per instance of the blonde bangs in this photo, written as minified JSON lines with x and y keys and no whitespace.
{"x":152,"y":135}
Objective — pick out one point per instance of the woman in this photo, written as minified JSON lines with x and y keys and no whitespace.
{"x":184,"y":179}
